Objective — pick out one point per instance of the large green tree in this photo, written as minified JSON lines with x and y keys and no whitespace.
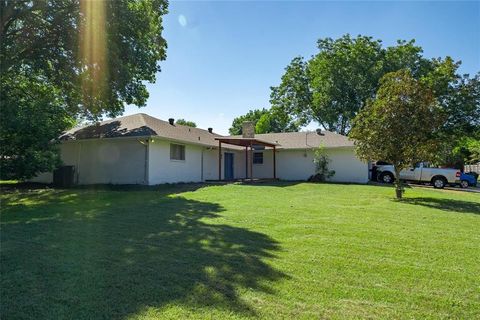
{"x":400,"y":125}
{"x":290,"y":103}
{"x":93,"y":56}
{"x":252,"y":115}
{"x":292,"y":99}
{"x":344,"y":74}
{"x":335,"y":84}
{"x":460,"y":133}
{"x":26,"y":130}
{"x":275,"y":119}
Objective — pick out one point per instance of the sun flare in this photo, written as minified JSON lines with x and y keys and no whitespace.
{"x":93,"y":46}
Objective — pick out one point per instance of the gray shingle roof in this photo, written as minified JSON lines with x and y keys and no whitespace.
{"x":143,"y":125}
{"x":305,"y":140}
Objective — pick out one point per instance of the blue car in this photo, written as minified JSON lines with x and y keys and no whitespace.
{"x":467,"y":180}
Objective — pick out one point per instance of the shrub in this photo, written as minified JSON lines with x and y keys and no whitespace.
{"x":322,"y":172}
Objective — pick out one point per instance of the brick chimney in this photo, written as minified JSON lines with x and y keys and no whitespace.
{"x":248,"y":129}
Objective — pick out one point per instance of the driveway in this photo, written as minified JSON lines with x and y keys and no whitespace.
{"x":469,"y":189}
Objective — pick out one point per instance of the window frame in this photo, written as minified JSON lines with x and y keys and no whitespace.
{"x":182,"y":152}
{"x":261,"y":158}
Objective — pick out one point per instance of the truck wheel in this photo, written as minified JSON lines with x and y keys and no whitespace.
{"x":464,"y":184}
{"x":386,"y":177}
{"x":439,"y":182}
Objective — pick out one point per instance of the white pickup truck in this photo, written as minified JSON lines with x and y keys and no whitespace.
{"x":422,"y":173}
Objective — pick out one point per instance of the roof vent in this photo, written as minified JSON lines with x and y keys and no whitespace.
{"x":171,"y":121}
{"x":319,"y":132}
{"x":210,"y":130}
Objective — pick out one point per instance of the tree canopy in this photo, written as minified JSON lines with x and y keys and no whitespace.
{"x":252,"y":115}
{"x":344,"y":74}
{"x":292,"y":99}
{"x":334,"y":85}
{"x":275,"y":119}
{"x":99,"y":53}
{"x":27,"y":129}
{"x":400,"y":125}
{"x":187,"y":123}
{"x":92,"y":57}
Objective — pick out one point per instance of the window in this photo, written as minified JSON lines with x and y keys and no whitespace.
{"x":258,"y":157}
{"x":177,"y":152}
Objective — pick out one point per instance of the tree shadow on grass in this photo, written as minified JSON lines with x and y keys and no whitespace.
{"x":89,"y":254}
{"x":445,"y":204}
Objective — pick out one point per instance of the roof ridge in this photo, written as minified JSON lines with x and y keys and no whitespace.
{"x":145,"y":115}
{"x":301,"y":132}
{"x":142,"y":116}
{"x":146,"y":118}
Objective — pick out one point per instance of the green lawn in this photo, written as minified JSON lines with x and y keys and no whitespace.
{"x":238,"y":251}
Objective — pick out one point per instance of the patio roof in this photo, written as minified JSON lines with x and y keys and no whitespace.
{"x":246,"y":142}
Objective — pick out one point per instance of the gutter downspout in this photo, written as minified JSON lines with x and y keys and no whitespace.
{"x":79,"y":152}
{"x":201,"y":169}
{"x":147,"y":149}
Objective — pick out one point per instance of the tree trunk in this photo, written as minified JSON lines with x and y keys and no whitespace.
{"x":398,"y":184}
{"x":398,"y":192}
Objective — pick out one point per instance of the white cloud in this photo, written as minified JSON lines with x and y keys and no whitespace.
{"x":182,"y":20}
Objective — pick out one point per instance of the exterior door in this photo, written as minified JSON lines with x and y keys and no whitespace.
{"x":228,"y":165}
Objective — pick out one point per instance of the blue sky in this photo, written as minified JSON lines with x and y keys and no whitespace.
{"x":223,"y":56}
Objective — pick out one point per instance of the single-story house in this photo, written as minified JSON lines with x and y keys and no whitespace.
{"x":140,"y":149}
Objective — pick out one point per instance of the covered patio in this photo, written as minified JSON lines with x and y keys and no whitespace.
{"x":250,"y":144}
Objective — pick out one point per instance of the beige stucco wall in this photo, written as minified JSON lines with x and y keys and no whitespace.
{"x":211,"y":164}
{"x":115,"y":161}
{"x":264,"y":170}
{"x":200,"y":164}
{"x":106,"y":161}
{"x":348,"y":168}
{"x":298,"y":165}
{"x":122,"y":161}
{"x":164,"y":170}
{"x":238,"y":164}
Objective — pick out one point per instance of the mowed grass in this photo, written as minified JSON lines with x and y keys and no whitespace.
{"x":291,"y":251}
